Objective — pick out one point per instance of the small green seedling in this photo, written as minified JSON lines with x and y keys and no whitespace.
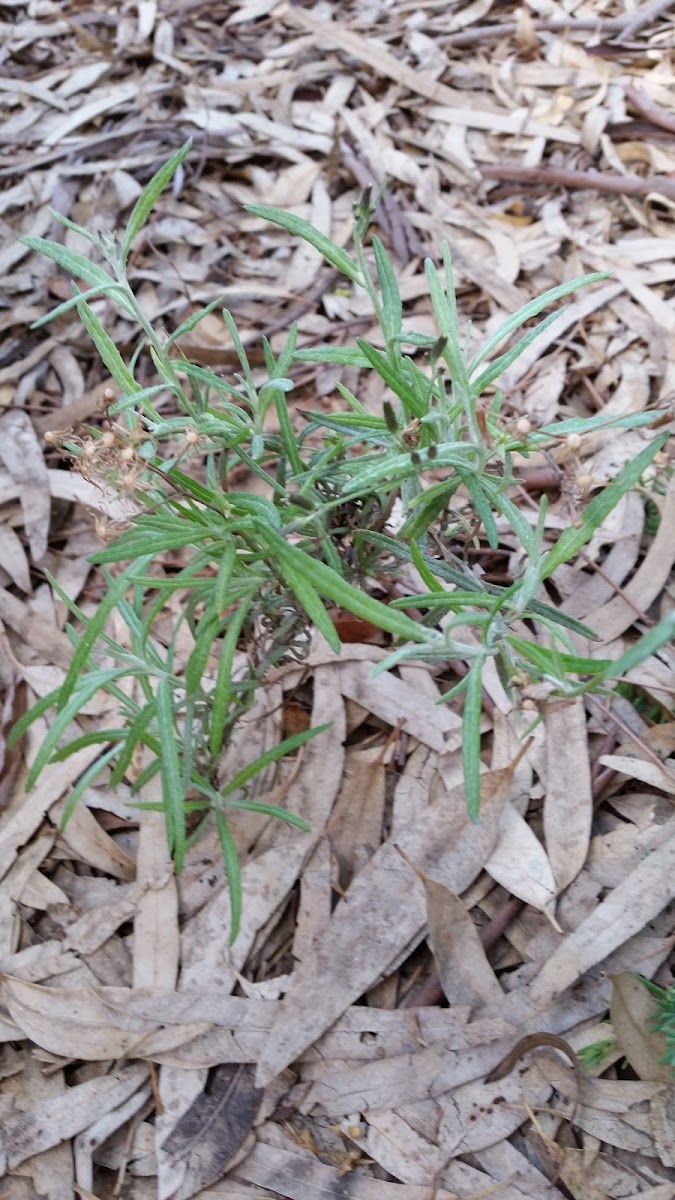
{"x":260,"y":569}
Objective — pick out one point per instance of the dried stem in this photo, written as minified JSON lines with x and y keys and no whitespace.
{"x":626,"y":185}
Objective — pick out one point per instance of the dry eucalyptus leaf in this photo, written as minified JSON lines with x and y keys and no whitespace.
{"x":383,"y":911}
{"x":464,"y":971}
{"x":64,"y":1115}
{"x":632,"y":1011}
{"x":213,"y":1135}
{"x":22,"y":455}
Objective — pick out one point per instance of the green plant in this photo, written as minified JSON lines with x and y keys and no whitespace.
{"x":664,"y":1021}
{"x":595,"y":1054}
{"x":258,"y":569}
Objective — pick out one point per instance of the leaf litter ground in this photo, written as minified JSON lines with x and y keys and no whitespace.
{"x":391,"y":960}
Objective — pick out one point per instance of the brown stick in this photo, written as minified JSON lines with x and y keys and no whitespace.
{"x":625,"y":26}
{"x":630,"y":185}
{"x":637,"y":21}
{"x":646,"y":107}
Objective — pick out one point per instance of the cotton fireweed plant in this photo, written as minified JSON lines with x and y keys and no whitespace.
{"x":258,"y":570}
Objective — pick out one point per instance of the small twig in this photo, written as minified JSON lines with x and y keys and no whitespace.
{"x":602,"y":781}
{"x":606,"y":746}
{"x":617,"y":588}
{"x":624,"y":26}
{"x":645,"y":106}
{"x":629,"y":185}
{"x":631,"y":735}
{"x":539,"y":479}
{"x":642,"y":17}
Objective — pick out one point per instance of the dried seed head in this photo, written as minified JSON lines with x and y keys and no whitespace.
{"x":574,"y":441}
{"x":191,"y":437}
{"x":108,"y":439}
{"x":108,"y":395}
{"x":523,"y":427}
{"x":127,"y":455}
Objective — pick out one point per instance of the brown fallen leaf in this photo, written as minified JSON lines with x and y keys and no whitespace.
{"x":632,"y":1010}
{"x":463,"y":969}
{"x":214,"y":1135}
{"x":22,"y":455}
{"x":383,"y":913}
{"x":64,"y":1115}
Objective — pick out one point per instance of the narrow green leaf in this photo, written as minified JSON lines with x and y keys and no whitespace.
{"x":287,"y":432}
{"x":500,"y":364}
{"x":392,"y":305}
{"x":285,"y":359}
{"x":542,"y":658}
{"x":330,"y":584}
{"x":222,"y":691}
{"x":271,"y":756}
{"x":471,"y":719}
{"x":192,"y":321}
{"x":225,"y":573}
{"x":107,"y":349}
{"x":454,"y":601}
{"x":347,"y":356}
{"x":111,"y":289}
{"x":389,"y":469}
{"x":85,"y":233}
{"x":446,"y":319}
{"x":75,"y":264}
{"x":208,"y":629}
{"x":151,"y":542}
{"x":657,"y":637}
{"x":296,"y":225}
{"x":172,"y":784}
{"x":134,"y":735}
{"x":83,"y":783}
{"x":532,"y":309}
{"x":557,"y":617}
{"x":415,"y":407}
{"x":454,"y":691}
{"x":519,"y":524}
{"x":425,"y":508}
{"x":602,"y":421}
{"x":97,"y":736}
{"x":482,"y":506}
{"x":427,"y":576}
{"x":243,"y":358}
{"x":271,"y":810}
{"x":233,"y":872}
{"x":148,"y":197}
{"x":357,"y":423}
{"x":309,"y":599}
{"x":572,"y":539}
{"x":95,"y":626}
{"x":90,"y":685}
{"x":24,"y":722}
